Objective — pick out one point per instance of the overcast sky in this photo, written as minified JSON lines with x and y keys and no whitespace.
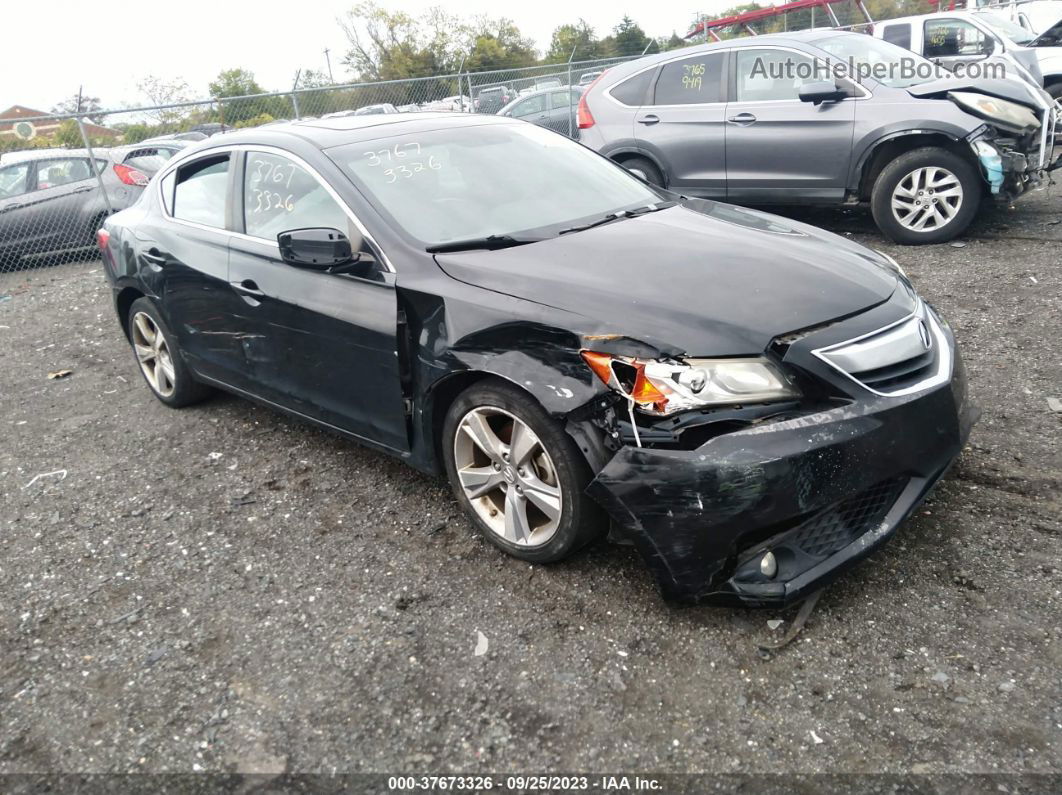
{"x":54,"y":46}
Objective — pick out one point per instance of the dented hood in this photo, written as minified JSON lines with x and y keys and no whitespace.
{"x":1014,"y":90}
{"x":706,"y":278}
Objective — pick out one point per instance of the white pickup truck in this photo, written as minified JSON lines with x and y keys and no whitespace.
{"x":954,"y":37}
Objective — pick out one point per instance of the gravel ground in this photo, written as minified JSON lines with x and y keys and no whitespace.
{"x":222,"y":588}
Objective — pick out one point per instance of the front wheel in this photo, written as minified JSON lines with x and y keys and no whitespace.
{"x":518,"y":475}
{"x":927,"y":195}
{"x":644,"y":169}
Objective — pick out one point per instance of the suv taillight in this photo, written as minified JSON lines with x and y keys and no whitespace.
{"x":583,"y":116}
{"x":131,"y":176}
{"x":103,"y":239}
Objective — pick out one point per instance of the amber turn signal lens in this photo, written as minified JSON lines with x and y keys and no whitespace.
{"x":600,"y":363}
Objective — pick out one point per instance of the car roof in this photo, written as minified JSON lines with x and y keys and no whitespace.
{"x":30,"y":155}
{"x":326,"y":133}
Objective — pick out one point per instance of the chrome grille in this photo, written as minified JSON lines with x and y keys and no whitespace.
{"x":907,"y":356}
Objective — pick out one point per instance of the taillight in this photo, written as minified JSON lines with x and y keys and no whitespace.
{"x":583,"y":116}
{"x":103,"y":239}
{"x":131,"y":176}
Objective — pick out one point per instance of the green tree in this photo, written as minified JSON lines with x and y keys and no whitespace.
{"x":69,"y":135}
{"x":242,"y":83}
{"x":628,"y":38}
{"x":165,"y":92}
{"x":498,"y":44}
{"x":234,"y":83}
{"x":87,"y":105}
{"x":578,"y":37}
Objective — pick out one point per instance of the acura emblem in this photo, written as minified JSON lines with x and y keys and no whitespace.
{"x":923,"y":334}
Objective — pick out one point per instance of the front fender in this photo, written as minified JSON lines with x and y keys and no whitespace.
{"x":868,"y":142}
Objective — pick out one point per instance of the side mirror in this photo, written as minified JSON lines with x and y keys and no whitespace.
{"x":321,"y":249}
{"x":820,"y":91}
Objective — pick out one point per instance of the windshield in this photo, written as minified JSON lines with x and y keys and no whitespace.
{"x":1004,"y":27}
{"x":888,"y":64}
{"x":472,"y":182}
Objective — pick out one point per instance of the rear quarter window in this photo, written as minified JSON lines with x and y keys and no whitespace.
{"x":633,"y":90}
{"x":900,"y":35}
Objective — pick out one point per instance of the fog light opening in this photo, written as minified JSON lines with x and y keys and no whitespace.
{"x":768,"y":565}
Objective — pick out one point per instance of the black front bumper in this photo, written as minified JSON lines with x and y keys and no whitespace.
{"x":820,"y":491}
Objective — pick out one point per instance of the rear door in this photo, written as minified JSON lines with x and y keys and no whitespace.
{"x":561,"y":105}
{"x":323,"y":345}
{"x":61,"y":188}
{"x":682,"y":123}
{"x":532,"y":109}
{"x":779,"y":148}
{"x":183,"y":257}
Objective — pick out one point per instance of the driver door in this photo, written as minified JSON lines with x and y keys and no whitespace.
{"x":322,"y":345}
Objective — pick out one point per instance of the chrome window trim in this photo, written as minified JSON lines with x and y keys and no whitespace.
{"x":266,"y":149}
{"x":944,"y":357}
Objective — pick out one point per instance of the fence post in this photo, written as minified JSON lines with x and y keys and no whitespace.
{"x":95,"y":165}
{"x":294,"y":94}
{"x":460,"y":90}
{"x":571,"y":126}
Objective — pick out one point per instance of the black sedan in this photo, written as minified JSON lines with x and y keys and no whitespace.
{"x":754,"y":403}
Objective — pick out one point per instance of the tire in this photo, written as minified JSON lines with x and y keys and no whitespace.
{"x":644,"y":169}
{"x":918,"y":170}
{"x":160,"y":362}
{"x":553,"y":525}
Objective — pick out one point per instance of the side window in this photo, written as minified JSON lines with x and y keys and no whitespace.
{"x":632,"y":91}
{"x":691,"y":81}
{"x":900,"y":35}
{"x":529,"y":106}
{"x":772,"y":75}
{"x":201,"y":191}
{"x":561,"y":99}
{"x":13,"y":180}
{"x":53,"y":173}
{"x":279,"y":195}
{"x":946,"y":38}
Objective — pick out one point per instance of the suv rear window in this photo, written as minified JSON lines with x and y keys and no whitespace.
{"x":632,"y":91}
{"x":900,"y":35}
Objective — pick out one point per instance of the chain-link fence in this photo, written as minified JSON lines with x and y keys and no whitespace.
{"x":60,"y":176}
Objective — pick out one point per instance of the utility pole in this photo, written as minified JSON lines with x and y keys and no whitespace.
{"x":328,"y":60}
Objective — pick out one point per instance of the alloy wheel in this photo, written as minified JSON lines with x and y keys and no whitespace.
{"x":153,"y":354}
{"x":927,"y":199}
{"x":508,"y":476}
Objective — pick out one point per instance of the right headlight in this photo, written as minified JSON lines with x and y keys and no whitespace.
{"x":1000,"y":111}
{"x":666,"y":387}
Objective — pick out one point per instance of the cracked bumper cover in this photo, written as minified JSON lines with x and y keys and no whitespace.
{"x":703,"y":518}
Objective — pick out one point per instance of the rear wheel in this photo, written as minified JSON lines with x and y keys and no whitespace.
{"x":518,"y":475}
{"x":158,"y":358}
{"x":927,"y":195}
{"x":644,"y":169}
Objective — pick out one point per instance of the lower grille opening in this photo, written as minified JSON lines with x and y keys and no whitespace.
{"x":838,"y":526}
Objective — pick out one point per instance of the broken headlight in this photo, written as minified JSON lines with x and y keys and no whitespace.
{"x":666,"y":387}
{"x":1000,"y":111}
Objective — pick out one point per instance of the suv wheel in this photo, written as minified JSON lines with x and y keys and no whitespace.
{"x":518,"y":475}
{"x":928,"y":195}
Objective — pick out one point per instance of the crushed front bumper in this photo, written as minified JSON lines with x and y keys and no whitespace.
{"x":819,"y":491}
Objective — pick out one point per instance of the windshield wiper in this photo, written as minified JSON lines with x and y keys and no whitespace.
{"x":490,"y":243}
{"x":649,"y":208}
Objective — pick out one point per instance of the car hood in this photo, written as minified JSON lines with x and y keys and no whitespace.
{"x":702,"y":278}
{"x":1014,"y":90}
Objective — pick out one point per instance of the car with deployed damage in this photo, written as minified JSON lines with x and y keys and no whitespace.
{"x":825,"y":117}
{"x":754,"y":403}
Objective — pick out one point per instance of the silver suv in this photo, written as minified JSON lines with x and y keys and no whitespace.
{"x":825,"y":117}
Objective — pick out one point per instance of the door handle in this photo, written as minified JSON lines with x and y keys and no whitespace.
{"x":742,"y":118}
{"x":652,"y":118}
{"x":247,"y":287}
{"x":85,"y":189}
{"x":155,"y":257}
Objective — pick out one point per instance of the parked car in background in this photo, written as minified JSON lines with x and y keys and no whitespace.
{"x":137,"y":163}
{"x":493,"y":98}
{"x":1036,"y":16}
{"x":554,"y":108}
{"x":455,"y":104}
{"x":376,"y":110}
{"x":756,"y":404}
{"x":212,"y":128}
{"x":922,"y":149}
{"x":589,"y":77}
{"x":954,"y":38}
{"x":50,"y":200}
{"x":540,"y":84}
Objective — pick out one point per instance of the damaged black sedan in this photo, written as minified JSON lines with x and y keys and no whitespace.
{"x":754,"y":403}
